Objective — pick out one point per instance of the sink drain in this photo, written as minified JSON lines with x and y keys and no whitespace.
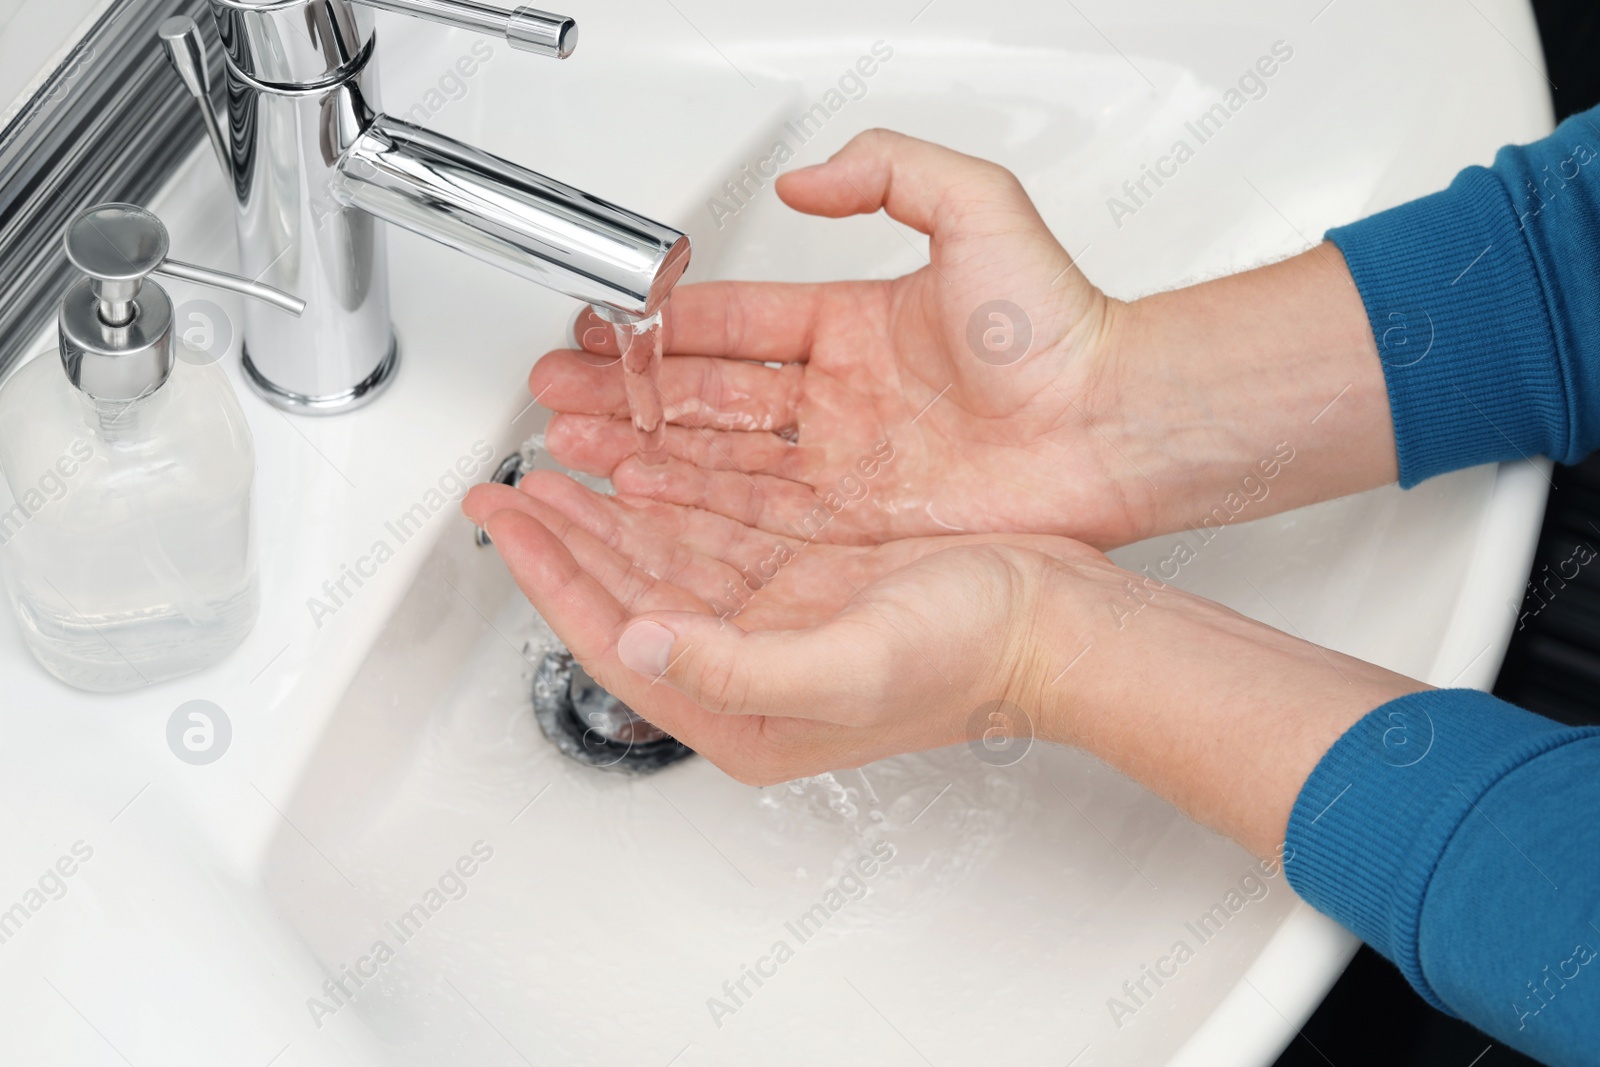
{"x":593,"y":727}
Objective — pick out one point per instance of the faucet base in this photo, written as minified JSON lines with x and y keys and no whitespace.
{"x":363,"y":393}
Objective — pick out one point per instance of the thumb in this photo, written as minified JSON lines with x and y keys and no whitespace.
{"x":829,"y":672}
{"x":924,"y":185}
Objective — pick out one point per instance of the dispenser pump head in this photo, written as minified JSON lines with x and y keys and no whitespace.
{"x":117,"y":246}
{"x":115,"y":324}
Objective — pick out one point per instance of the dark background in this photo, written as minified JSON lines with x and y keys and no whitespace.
{"x":1553,"y":667}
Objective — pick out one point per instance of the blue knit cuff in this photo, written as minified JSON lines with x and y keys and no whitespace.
{"x":1372,"y":821}
{"x":1463,"y":327}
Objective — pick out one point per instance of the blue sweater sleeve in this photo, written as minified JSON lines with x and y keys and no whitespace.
{"x":1485,"y":301}
{"x":1460,"y":837}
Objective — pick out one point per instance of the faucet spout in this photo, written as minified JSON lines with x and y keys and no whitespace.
{"x":316,"y":168}
{"x":520,"y":221}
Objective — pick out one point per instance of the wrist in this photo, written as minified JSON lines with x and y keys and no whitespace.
{"x":1223,"y":716}
{"x":1211,"y":389}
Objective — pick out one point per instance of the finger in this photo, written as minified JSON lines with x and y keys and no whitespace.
{"x":734,"y":563}
{"x":635,"y":589}
{"x":776,"y":505}
{"x":588,"y":620}
{"x":596,"y":335}
{"x":578,"y":608}
{"x":699,"y":551}
{"x":657,"y":547}
{"x":726,"y":394}
{"x":770,"y":322}
{"x":923,"y":185}
{"x":597,"y":444}
{"x":835,"y":672}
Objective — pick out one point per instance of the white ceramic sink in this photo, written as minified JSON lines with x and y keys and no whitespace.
{"x":376,"y":748}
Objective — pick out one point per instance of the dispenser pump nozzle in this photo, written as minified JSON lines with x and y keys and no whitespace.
{"x":118,"y":245}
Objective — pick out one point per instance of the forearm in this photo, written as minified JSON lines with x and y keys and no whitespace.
{"x":1466,"y":853}
{"x":1224,"y":374}
{"x":1454,"y":330}
{"x":1223,"y":716}
{"x":1483,"y":299}
{"x":1420,"y":819}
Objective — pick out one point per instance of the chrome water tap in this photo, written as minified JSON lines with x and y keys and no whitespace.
{"x":315,"y":165}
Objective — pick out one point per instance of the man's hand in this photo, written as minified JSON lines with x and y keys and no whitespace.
{"x":772,"y":657}
{"x":982,"y":371}
{"x":775,"y":658}
{"x":1013,"y":396}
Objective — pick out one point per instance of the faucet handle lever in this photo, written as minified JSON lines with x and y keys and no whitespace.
{"x":526,"y":29}
{"x":186,"y":50}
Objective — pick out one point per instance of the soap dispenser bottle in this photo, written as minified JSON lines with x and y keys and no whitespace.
{"x":125,"y":510}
